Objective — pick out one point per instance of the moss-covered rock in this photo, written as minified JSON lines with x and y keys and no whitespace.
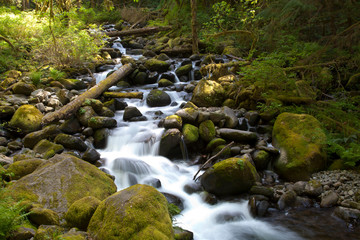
{"x":23,"y":88}
{"x":48,"y":149}
{"x":238,"y":135}
{"x":207,"y":130}
{"x":302,"y":146}
{"x":31,"y":139}
{"x":173,"y":121}
{"x":61,"y":181}
{"x":6,"y":112}
{"x":208,"y":93}
{"x":138,"y":212}
{"x":165,"y":83}
{"x":70,"y":142}
{"x":190,"y":133}
{"x":157,"y":65}
{"x":214,"y":143}
{"x":183,"y":70}
{"x":230,"y":176}
{"x":22,"y":168}
{"x":27,"y":118}
{"x":188,"y":114}
{"x":100,"y":137}
{"x":81,"y":211}
{"x":158,"y":98}
{"x":71,"y":126}
{"x":170,"y":140}
{"x":84,"y":114}
{"x":46,"y":232}
{"x":73,"y":84}
{"x":182,"y":234}
{"x":102,"y":122}
{"x":261,"y":159}
{"x":43,"y":216}
{"x":140,"y":78}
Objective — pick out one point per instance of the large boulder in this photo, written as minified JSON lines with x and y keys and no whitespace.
{"x":207,"y":130}
{"x":238,"y":135}
{"x":158,"y":98}
{"x":23,"y":88}
{"x":61,"y":181}
{"x":190,"y":133}
{"x":208,"y":93}
{"x":157,"y":65}
{"x":70,"y":142}
{"x":22,"y":168}
{"x":302,"y":146}
{"x":230,"y":176}
{"x":170,"y":140}
{"x":137,"y":212}
{"x":27,"y":118}
{"x":31,"y":139}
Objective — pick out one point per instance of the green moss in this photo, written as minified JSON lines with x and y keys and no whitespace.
{"x":23,"y":168}
{"x":183,"y":70}
{"x":27,"y":118}
{"x":214,"y":143}
{"x":190,"y":133}
{"x":47,"y":148}
{"x":157,"y":65}
{"x":207,"y":130}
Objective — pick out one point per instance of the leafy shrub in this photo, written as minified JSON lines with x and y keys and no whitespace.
{"x":56,"y":74}
{"x":35,"y":77}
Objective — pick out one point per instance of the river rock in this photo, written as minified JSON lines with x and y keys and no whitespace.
{"x":214,"y":143}
{"x":45,"y":232}
{"x":288,"y":199}
{"x":137,"y":212}
{"x":165,"y":83}
{"x":70,"y":142}
{"x":101,"y":122}
{"x":31,"y":139}
{"x":182,"y":234}
{"x":190,"y":133}
{"x":158,"y":98}
{"x":188,"y":114}
{"x":349,"y":215}
{"x":100,"y":137}
{"x":81,"y":211}
{"x":91,"y":155}
{"x":47,"y":148}
{"x":157,"y":65}
{"x":22,"y":233}
{"x":183,"y":70}
{"x":71,"y":126}
{"x":302,"y":146}
{"x":207,"y":130}
{"x":238,"y":135}
{"x":22,"y":168}
{"x":84,"y":114}
{"x":43,"y":216}
{"x":23,"y":88}
{"x":27,"y":118}
{"x":231,"y":120}
{"x":230,"y":176}
{"x":208,"y":93}
{"x":329,"y":199}
{"x":15,"y":145}
{"x":70,"y":84}
{"x":6,"y":112}
{"x":169,"y":141}
{"x":261,"y":159}
{"x":140,"y":78}
{"x":131,"y":112}
{"x":61,"y":181}
{"x":173,"y":121}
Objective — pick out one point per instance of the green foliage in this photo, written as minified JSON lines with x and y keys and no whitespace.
{"x":56,"y":74}
{"x":345,"y":148}
{"x":35,"y":77}
{"x":173,"y":210}
{"x":241,"y":164}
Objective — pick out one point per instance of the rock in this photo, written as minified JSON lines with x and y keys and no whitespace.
{"x":71,"y":126}
{"x":299,"y":187}
{"x":262,"y":190}
{"x":302,"y":146}
{"x":261,"y":159}
{"x":73,"y":84}
{"x":61,"y":181}
{"x":23,"y":88}
{"x":262,"y":208}
{"x":190,"y":133}
{"x":91,"y":155}
{"x":131,"y":112}
{"x":231,"y":120}
{"x":208,"y":93}
{"x":238,"y":135}
{"x":169,"y":141}
{"x":6,"y":112}
{"x":45,"y":232}
{"x":31,"y":139}
{"x":70,"y":142}
{"x":157,"y":65}
{"x":137,"y":212}
{"x":183,"y":70}
{"x":120,"y":104}
{"x":329,"y":199}
{"x":101,"y":122}
{"x":349,"y":215}
{"x":74,"y":234}
{"x":207,"y":130}
{"x":286,"y":200}
{"x":181,"y":234}
{"x":100,"y":137}
{"x":22,"y":233}
{"x":140,"y":78}
{"x":165,"y":83}
{"x":313,"y":188}
{"x":230,"y":176}
{"x":81,"y":211}
{"x":192,"y":187}
{"x":3,"y":141}
{"x":15,"y":145}
{"x":27,"y":118}
{"x":84,"y":114}
{"x":173,"y":121}
{"x":158,"y":98}
{"x":43,"y":216}
{"x":22,"y":168}
{"x":209,"y":198}
{"x":252,"y":117}
{"x":47,"y":148}
{"x":214,"y":143}
{"x":188,"y":114}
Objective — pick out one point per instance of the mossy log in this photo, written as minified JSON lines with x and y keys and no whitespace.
{"x":69,"y":109}
{"x":123,"y":95}
{"x":176,"y":52}
{"x":139,"y":31}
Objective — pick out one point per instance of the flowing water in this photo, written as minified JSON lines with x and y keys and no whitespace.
{"x":132,"y":157}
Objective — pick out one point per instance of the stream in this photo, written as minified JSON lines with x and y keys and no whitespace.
{"x":132,"y":157}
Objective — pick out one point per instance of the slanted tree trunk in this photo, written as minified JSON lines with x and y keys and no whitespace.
{"x":195,"y":46}
{"x":69,"y":109}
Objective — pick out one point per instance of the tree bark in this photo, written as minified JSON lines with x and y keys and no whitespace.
{"x":195,"y":42}
{"x":69,"y":109}
{"x":140,"y":31}
{"x":124,"y":94}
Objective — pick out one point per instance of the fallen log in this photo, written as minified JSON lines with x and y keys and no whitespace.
{"x":177,"y":52}
{"x":123,"y":95}
{"x":139,"y":31}
{"x":70,"y":108}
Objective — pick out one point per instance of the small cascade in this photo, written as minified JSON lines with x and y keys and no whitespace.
{"x":184,"y":150}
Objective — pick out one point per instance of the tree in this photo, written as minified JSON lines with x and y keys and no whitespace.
{"x":195,"y":47}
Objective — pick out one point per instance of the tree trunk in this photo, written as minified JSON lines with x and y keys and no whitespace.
{"x":124,"y":94}
{"x":195,"y":46}
{"x":140,"y":31}
{"x":70,"y":109}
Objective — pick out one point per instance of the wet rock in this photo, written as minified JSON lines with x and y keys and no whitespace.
{"x":157,"y":65}
{"x":183,"y":70}
{"x":3,"y":141}
{"x":154,"y":182}
{"x":230,"y":176}
{"x":173,"y":199}
{"x":329,"y":199}
{"x":231,"y":120}
{"x":261,"y":208}
{"x":169,"y":141}
{"x":252,"y":117}
{"x":101,"y":122}
{"x":188,"y":115}
{"x":43,"y":216}
{"x":182,"y":234}
{"x":70,"y":142}
{"x":303,"y":202}
{"x":100,"y":137}
{"x":208,"y":93}
{"x":31,"y":139}
{"x":287,"y":200}
{"x":27,"y":118}
{"x":23,"y":88}
{"x":158,"y":98}
{"x":238,"y":135}
{"x":88,"y":132}
{"x":71,"y":126}
{"x":190,"y":133}
{"x":6,"y":112}
{"x":91,"y":155}
{"x":261,"y":190}
{"x":261,"y":159}
{"x":84,"y":114}
{"x":47,"y":148}
{"x":15,"y":145}
{"x":169,"y":76}
{"x":131,"y":112}
{"x":209,"y":198}
{"x":173,"y":121}
{"x":207,"y":130}
{"x":193,"y":187}
{"x":120,"y":104}
{"x":214,"y":143}
{"x":165,"y":83}
{"x":349,"y":215}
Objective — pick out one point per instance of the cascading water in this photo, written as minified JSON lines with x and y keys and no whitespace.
{"x":132,"y":157}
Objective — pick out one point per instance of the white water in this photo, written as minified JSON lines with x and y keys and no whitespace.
{"x":132,"y":157}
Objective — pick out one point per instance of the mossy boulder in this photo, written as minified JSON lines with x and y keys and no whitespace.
{"x":261,"y":159}
{"x":70,"y":142}
{"x":73,"y":84}
{"x":157,"y":65}
{"x":208,"y":93}
{"x":22,"y":168}
{"x":31,"y":139}
{"x":23,"y":88}
{"x":43,"y":216}
{"x":230,"y":176}
{"x":100,"y":137}
{"x":238,"y":135}
{"x":158,"y":98}
{"x":6,"y":112}
{"x":188,"y":114}
{"x":61,"y":181}
{"x":301,"y":141}
{"x":207,"y":130}
{"x":214,"y":143}
{"x":140,"y":78}
{"x":71,"y":126}
{"x":190,"y":133}
{"x":138,"y":212}
{"x":27,"y":118}
{"x":97,"y":105}
{"x":170,"y":141}
{"x":84,"y":114}
{"x":165,"y":83}
{"x":46,"y":232}
{"x":183,"y":70}
{"x":48,"y":149}
{"x":81,"y":211}
{"x":173,"y":121}
{"x":101,"y":122}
